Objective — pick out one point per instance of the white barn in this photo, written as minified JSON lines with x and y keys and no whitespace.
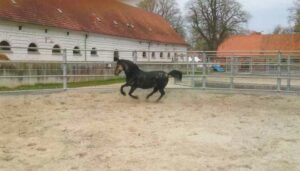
{"x":90,"y":30}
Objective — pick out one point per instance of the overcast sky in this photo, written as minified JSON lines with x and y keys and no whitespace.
{"x":265,"y":14}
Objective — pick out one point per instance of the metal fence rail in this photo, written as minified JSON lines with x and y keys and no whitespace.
{"x":272,"y":71}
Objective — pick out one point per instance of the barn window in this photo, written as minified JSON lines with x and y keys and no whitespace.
{"x":56,"y":49}
{"x":76,"y":51}
{"x":144,"y":55}
{"x":94,"y":52}
{"x":153,"y":55}
{"x":169,"y":55}
{"x":134,"y":56}
{"x":32,"y":48}
{"x":116,"y":55}
{"x":175,"y":57}
{"x":20,"y":28}
{"x":4,"y":46}
{"x":182,"y":56}
{"x":161,"y":55}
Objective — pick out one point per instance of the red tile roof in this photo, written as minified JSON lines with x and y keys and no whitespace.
{"x":258,"y":42}
{"x":109,"y":17}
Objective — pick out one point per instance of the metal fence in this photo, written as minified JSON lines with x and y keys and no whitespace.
{"x":272,"y":71}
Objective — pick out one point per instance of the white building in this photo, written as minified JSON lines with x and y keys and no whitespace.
{"x":91,"y":30}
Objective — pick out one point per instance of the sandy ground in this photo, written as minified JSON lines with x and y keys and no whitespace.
{"x":188,"y":130}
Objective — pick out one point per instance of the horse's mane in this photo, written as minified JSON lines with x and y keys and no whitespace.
{"x":130,"y":64}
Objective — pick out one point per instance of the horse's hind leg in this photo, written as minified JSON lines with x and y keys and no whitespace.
{"x":131,"y":91}
{"x":162,"y":93}
{"x":154,"y":91}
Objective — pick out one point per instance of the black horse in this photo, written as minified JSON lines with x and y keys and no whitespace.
{"x":136,"y":78}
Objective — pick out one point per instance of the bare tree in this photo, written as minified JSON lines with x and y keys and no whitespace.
{"x":168,"y":9}
{"x":295,"y":16}
{"x":282,"y":30}
{"x":215,"y":20}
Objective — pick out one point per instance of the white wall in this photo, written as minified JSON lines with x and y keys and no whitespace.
{"x":9,"y":31}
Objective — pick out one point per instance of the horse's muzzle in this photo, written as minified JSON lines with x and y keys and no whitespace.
{"x":117,"y":72}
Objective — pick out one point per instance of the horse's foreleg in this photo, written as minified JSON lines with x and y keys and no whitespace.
{"x":154,"y":91}
{"x":122,"y":91}
{"x":131,"y":91}
{"x":162,"y":93}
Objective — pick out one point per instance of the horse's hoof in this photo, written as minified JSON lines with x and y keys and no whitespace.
{"x":135,"y":97}
{"x":124,"y":94}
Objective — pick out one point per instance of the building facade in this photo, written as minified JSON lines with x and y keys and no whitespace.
{"x":88,"y":31}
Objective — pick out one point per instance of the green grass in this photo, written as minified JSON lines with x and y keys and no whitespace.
{"x":95,"y":83}
{"x":70,"y":85}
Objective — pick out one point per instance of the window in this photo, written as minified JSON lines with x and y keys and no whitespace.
{"x":76,"y":51}
{"x":144,"y":55}
{"x":56,"y":49}
{"x":283,"y":60}
{"x":182,"y":56}
{"x":169,"y":55}
{"x":134,"y":56}
{"x":32,"y":48}
{"x":153,"y":55}
{"x":175,"y":57}
{"x":94,"y":52}
{"x":20,"y":28}
{"x":116,"y":55}
{"x":4,"y":46}
{"x":161,"y":55}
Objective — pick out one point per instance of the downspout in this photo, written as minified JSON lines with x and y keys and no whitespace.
{"x":85,"y":47}
{"x":149,"y":53}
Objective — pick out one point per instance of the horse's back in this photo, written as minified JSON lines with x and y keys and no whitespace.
{"x":152,"y":79}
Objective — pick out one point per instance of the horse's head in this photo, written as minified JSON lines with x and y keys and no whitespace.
{"x":121,"y":66}
{"x":126,"y":66}
{"x":119,"y":69}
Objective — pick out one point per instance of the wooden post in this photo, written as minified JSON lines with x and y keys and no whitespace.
{"x":65,"y":77}
{"x":204,"y":69}
{"x":232,"y":73}
{"x":279,"y":72}
{"x":289,"y":73}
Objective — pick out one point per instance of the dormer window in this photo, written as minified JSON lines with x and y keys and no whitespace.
{"x":56,"y":50}
{"x":94,"y":52}
{"x":4,"y":46}
{"x":32,"y":48}
{"x":144,"y":55}
{"x":116,"y":55}
{"x":161,"y":55}
{"x":76,"y":51}
{"x":153,"y":55}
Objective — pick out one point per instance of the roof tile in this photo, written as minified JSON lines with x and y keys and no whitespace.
{"x":95,"y":16}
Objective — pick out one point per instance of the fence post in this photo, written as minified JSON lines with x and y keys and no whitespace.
{"x":279,"y":71}
{"x":289,"y":73}
{"x":65,"y":77}
{"x":204,"y":74}
{"x":251,"y":65}
{"x":193,"y":71}
{"x":226,"y":64}
{"x":231,"y":73}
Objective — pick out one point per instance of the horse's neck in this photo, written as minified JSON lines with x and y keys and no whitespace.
{"x":132,"y":72}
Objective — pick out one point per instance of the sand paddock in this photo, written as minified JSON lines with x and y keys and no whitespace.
{"x":188,"y":130}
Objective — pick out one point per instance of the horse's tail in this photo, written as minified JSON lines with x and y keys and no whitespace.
{"x":176,"y":74}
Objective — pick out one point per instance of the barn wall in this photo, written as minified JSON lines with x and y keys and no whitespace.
{"x":9,"y":31}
